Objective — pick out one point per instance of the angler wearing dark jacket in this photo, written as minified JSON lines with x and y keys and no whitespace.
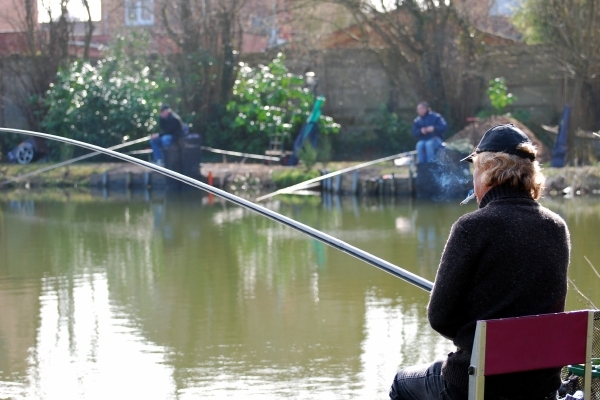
{"x":428,"y":128}
{"x":171,"y":130}
{"x":170,"y":124}
{"x":507,"y":259}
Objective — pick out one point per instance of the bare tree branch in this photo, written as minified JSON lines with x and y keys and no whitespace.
{"x":89,"y":30}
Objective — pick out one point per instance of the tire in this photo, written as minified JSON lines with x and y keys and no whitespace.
{"x":24,"y":153}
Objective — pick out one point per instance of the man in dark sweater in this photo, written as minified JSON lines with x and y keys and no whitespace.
{"x":507,"y":259}
{"x":171,"y":130}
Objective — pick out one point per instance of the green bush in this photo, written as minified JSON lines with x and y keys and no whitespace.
{"x":289,"y":177}
{"x":390,"y":134}
{"x":308,"y":155}
{"x":265,"y":100}
{"x":499,"y":96}
{"x":103,"y":103}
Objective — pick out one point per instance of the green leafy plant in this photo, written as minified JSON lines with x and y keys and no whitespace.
{"x":103,"y":103}
{"x":266,"y":100}
{"x":499,"y":96}
{"x":308,"y":155}
{"x":390,"y":133}
{"x":292,"y":176}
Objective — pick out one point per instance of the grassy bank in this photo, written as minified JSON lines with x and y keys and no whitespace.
{"x":579,"y":180}
{"x":292,"y":176}
{"x":68,"y":176}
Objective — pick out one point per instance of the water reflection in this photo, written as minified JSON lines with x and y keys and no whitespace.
{"x":174,"y":297}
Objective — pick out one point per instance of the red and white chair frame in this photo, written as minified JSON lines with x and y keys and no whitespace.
{"x":530,"y":343}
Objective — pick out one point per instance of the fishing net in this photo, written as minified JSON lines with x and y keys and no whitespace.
{"x":575,"y":382}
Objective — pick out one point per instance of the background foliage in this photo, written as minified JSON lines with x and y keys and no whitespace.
{"x":266,"y":100}
{"x":569,"y":32}
{"x":103,"y":103}
{"x":499,"y":95}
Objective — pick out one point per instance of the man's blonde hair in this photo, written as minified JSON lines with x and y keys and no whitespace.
{"x":507,"y":169}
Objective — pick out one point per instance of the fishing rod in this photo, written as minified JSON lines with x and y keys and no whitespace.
{"x":302,"y":185}
{"x":314,"y":233}
{"x":219,"y":151}
{"x":67,"y":162}
{"x":238,"y":154}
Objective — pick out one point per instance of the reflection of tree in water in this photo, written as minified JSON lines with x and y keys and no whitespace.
{"x":49,"y":250}
{"x":239,"y":300}
{"x":234,"y":297}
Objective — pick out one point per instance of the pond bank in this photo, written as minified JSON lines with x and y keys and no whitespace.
{"x":384,"y":179}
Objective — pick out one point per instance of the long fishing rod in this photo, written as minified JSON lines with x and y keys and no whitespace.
{"x":67,"y":162}
{"x":238,"y":154}
{"x":303,"y":185}
{"x":314,"y":233}
{"x":219,"y":151}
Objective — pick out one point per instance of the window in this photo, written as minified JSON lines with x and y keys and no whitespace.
{"x":139,"y":12}
{"x":505,"y":7}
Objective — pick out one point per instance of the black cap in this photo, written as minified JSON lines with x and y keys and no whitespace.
{"x":502,"y":139}
{"x":164,"y":107}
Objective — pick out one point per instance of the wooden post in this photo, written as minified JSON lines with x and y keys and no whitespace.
{"x":355,"y":183}
{"x":325,"y":184}
{"x":128,"y":180}
{"x":337,"y":185}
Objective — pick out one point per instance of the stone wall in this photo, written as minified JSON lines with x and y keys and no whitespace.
{"x":11,"y":114}
{"x":355,"y":84}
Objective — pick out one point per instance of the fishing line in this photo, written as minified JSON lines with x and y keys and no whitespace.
{"x":314,"y":233}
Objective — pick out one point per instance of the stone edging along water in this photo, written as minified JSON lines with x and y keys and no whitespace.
{"x":234,"y":176}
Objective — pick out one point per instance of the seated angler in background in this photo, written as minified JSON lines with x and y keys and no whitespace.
{"x":429,"y":128}
{"x":507,"y":259}
{"x":171,"y":130}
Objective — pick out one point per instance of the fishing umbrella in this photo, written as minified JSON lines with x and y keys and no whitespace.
{"x":309,"y":131}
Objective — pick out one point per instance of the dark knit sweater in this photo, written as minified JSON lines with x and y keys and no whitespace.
{"x":507,"y":259}
{"x":171,"y":125}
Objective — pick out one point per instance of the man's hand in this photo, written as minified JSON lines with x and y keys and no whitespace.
{"x":427,"y":129}
{"x":154,"y":136}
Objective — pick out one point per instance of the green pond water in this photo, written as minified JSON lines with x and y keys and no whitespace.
{"x":153,"y":297}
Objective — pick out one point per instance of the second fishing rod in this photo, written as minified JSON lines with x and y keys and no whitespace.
{"x":307,"y":230}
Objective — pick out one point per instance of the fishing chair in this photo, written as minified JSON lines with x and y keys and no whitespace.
{"x":529,"y":343}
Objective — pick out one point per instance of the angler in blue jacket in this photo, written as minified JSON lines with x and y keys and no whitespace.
{"x":429,"y":128}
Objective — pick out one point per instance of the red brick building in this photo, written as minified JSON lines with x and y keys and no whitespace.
{"x":264,"y":23}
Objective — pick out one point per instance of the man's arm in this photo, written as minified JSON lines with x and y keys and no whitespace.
{"x":440,"y":126}
{"x":446,"y":309}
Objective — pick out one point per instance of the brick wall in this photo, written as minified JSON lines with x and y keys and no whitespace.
{"x":12,"y":15}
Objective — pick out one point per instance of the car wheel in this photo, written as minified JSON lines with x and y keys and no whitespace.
{"x":24,"y":153}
